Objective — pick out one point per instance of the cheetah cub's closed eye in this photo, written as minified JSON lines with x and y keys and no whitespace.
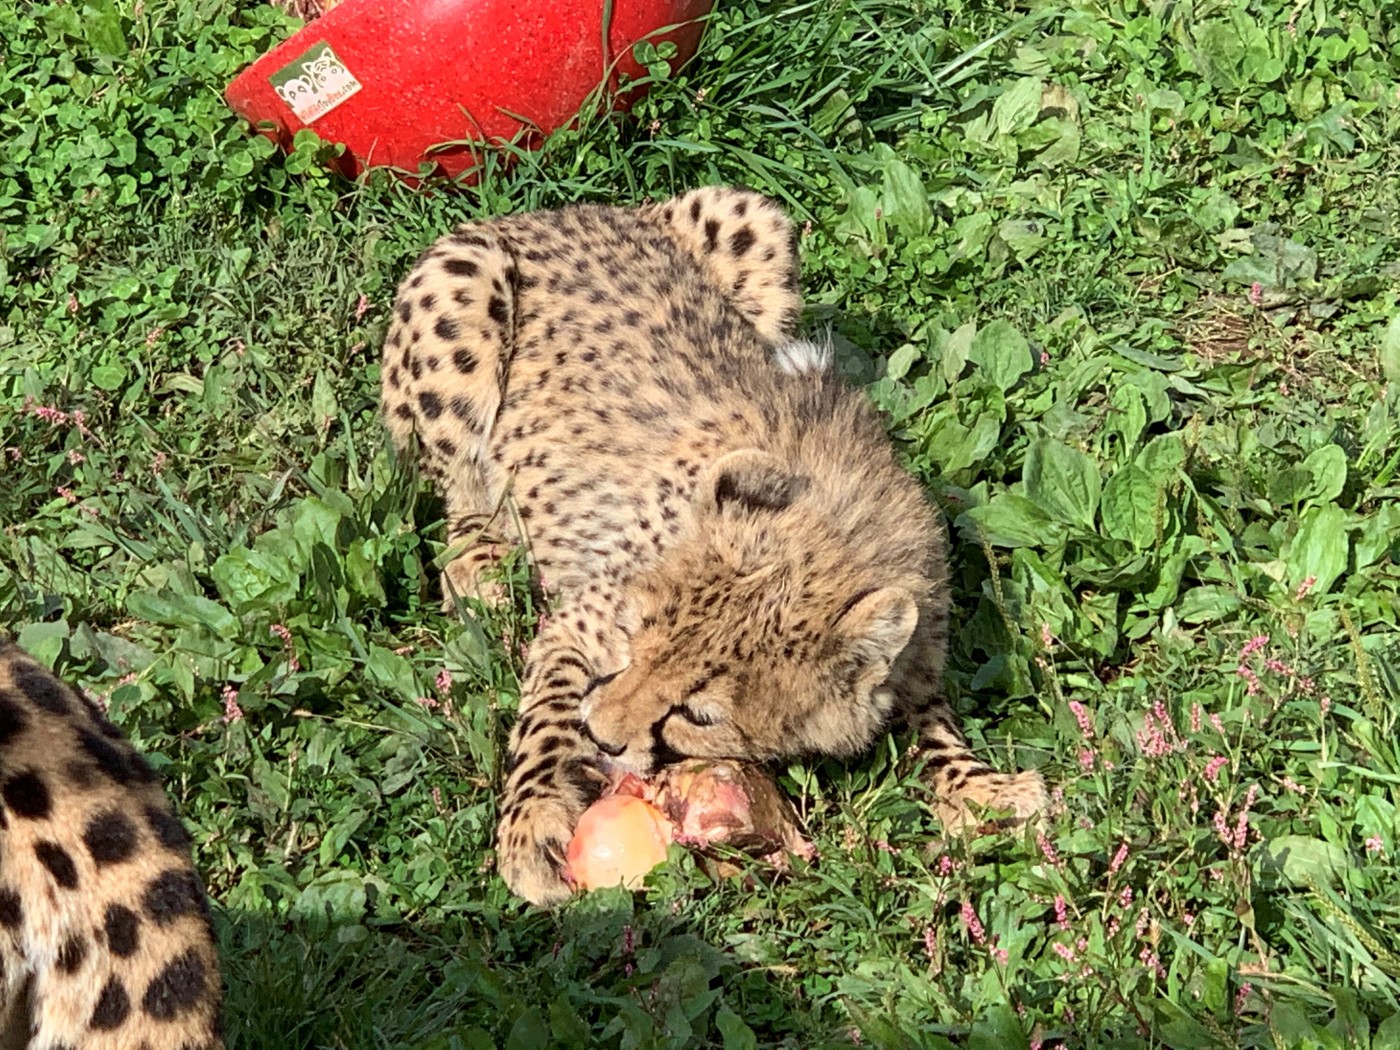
{"x":104,"y":928}
{"x":743,"y":569}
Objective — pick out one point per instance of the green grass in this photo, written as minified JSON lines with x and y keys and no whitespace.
{"x":1124,"y":278}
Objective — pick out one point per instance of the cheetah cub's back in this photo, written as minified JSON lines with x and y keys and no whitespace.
{"x":105,"y":941}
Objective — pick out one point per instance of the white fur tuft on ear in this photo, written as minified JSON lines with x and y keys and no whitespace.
{"x":803,"y":357}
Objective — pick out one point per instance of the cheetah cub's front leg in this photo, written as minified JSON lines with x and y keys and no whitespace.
{"x":442,"y":380}
{"x":554,"y":772}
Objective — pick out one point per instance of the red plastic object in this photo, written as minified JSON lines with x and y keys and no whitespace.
{"x":392,"y":78}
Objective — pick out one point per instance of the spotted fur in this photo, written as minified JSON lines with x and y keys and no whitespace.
{"x":105,"y":941}
{"x":743,"y":569}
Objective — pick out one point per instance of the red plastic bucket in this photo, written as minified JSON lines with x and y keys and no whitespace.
{"x":392,"y":78}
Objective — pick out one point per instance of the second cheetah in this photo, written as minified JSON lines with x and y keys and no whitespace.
{"x":743,"y":569}
{"x":105,"y":941}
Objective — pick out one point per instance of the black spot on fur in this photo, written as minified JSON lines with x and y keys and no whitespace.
{"x":405,"y":310}
{"x":11,"y":910}
{"x":72,"y":954}
{"x":177,"y":988}
{"x":110,"y":837}
{"x":403,"y":412}
{"x":695,"y":210}
{"x":741,"y":242}
{"x":465,"y":361}
{"x":446,"y":329}
{"x":121,"y":925}
{"x":42,"y":688}
{"x":120,"y":763}
{"x":497,"y":309}
{"x":13,"y":720}
{"x":171,"y":895}
{"x":461,"y":408}
{"x":166,"y":827}
{"x":461,"y":267}
{"x":59,"y":862}
{"x":27,"y":795}
{"x":113,"y":1006}
{"x":711,"y":234}
{"x":430,"y":403}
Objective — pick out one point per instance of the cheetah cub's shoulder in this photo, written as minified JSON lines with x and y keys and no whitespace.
{"x":105,"y":941}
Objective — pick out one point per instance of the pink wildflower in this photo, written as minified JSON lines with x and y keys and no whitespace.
{"x":1047,"y":849}
{"x":1374,"y":844}
{"x":1064,"y":951}
{"x":1253,"y":646}
{"x":1324,"y":705}
{"x":361,"y":306}
{"x":1118,"y":858}
{"x":426,"y":702}
{"x":1304,"y":588}
{"x":1046,"y":638}
{"x":13,"y":452}
{"x":999,"y":955}
{"x":973,"y":924}
{"x":1241,"y":996}
{"x":75,"y":457}
{"x":1087,"y":758}
{"x":1149,"y":959}
{"x":1256,"y":294}
{"x":930,"y":942}
{"x":1214,"y":766}
{"x":50,"y":415}
{"x":232,"y":712}
{"x":66,"y":493}
{"x":158,"y":463}
{"x":1084,"y":718}
{"x":1061,"y":912}
{"x":444,"y":681}
{"x":1196,"y":718}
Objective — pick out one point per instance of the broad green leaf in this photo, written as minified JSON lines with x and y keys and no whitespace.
{"x":1009,"y":520}
{"x":1179,"y":1030}
{"x":1318,"y":551}
{"x":44,"y":640}
{"x":904,"y":199}
{"x":1326,"y":468}
{"x":1206,"y":605}
{"x":1063,"y":482}
{"x":997,"y":1028}
{"x":1387,"y":1035}
{"x":736,"y":1034}
{"x":1130,"y":507}
{"x":1390,"y":350}
{"x":956,"y":349}
{"x":1001,"y":353}
{"x":1301,"y":860}
{"x":254,"y":578}
{"x":1162,"y":458}
{"x":901,"y":361}
{"x":182,"y":610}
{"x":1017,"y":107}
{"x":1130,"y":416}
{"x":108,"y":376}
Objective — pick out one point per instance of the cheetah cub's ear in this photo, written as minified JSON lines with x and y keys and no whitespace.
{"x":747,"y":481}
{"x":877,"y":625}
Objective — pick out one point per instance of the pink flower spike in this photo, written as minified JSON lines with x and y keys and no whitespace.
{"x":1119,"y":858}
{"x":1085,"y":720}
{"x":232,"y":712}
{"x":1374,"y":844}
{"x":973,"y":924}
{"x":1214,"y":766}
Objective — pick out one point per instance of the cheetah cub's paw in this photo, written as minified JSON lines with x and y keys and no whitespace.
{"x":531,"y":846}
{"x":1020,"y":794}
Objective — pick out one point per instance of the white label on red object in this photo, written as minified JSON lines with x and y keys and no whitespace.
{"x":315,"y":83}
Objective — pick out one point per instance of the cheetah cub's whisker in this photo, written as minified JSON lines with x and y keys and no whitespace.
{"x":743,"y":570}
{"x":105,"y":941}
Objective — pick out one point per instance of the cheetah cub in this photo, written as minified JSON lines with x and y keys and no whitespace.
{"x":104,"y":929}
{"x":743,"y":569}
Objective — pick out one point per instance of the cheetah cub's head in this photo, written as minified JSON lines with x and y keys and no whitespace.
{"x":765,"y":635}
